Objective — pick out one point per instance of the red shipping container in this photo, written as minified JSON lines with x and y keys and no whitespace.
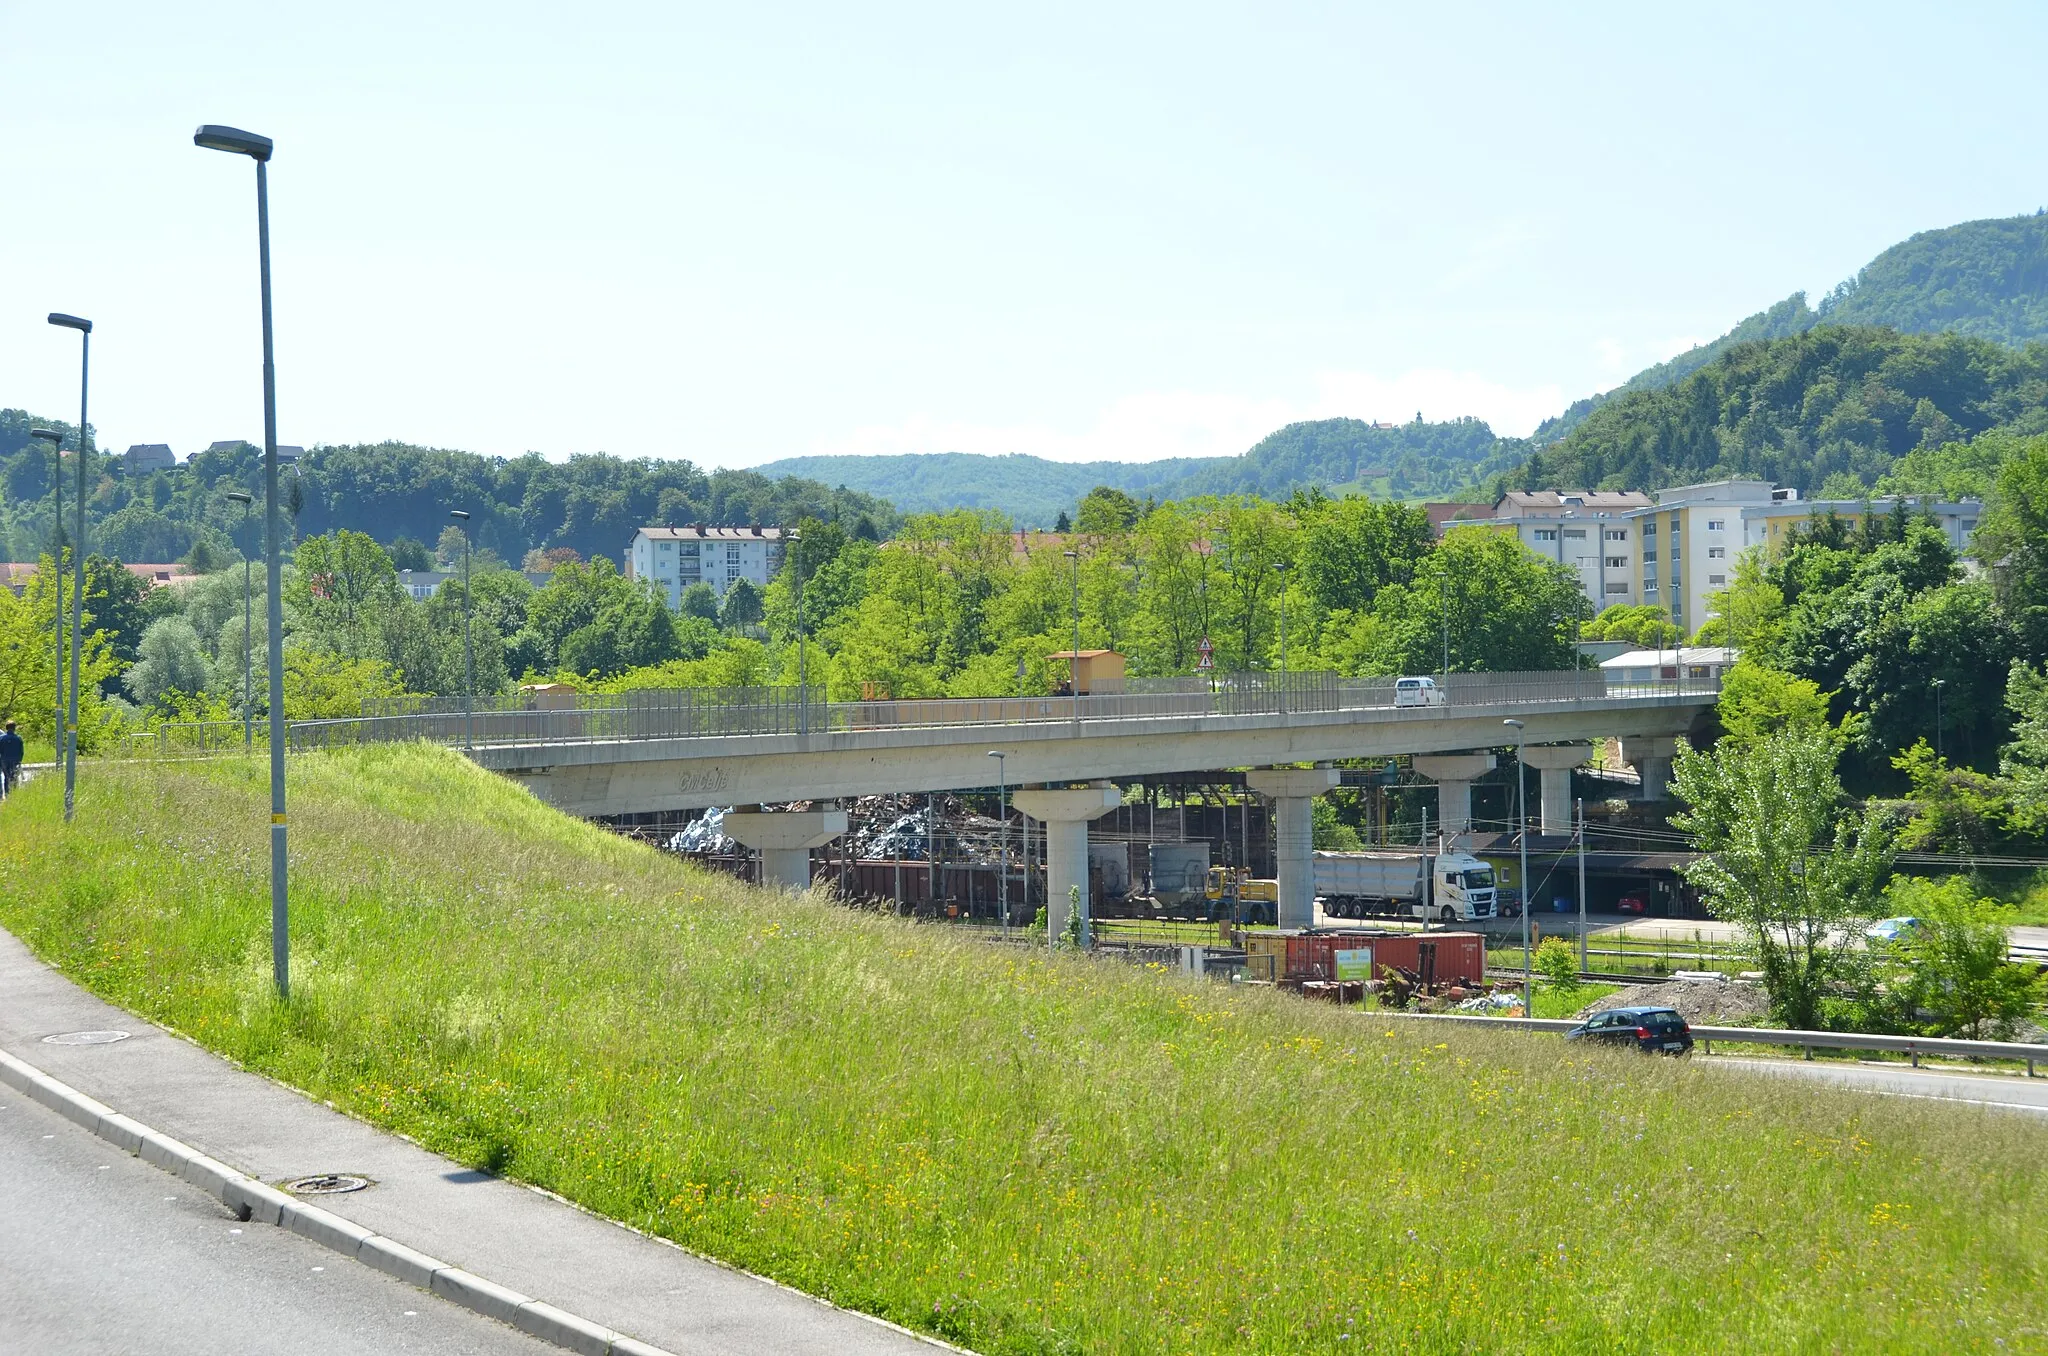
{"x":1439,"y":957}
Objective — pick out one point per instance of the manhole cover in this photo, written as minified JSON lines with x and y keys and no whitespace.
{"x":326,"y":1184}
{"x":86,"y":1038}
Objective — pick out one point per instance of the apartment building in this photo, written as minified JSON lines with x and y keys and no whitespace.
{"x":677,"y":557}
{"x":1676,"y":549}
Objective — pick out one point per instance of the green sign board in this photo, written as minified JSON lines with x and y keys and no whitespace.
{"x":1353,"y":964}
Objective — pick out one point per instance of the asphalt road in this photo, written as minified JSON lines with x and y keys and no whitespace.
{"x":2028,"y":1095}
{"x":102,"y":1253}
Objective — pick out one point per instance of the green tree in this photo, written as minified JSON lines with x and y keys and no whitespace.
{"x":1955,"y":809}
{"x":1643,"y":624}
{"x":1505,"y":608}
{"x":1782,"y":862}
{"x":1105,"y":510}
{"x":409,"y":553}
{"x":699,"y":600}
{"x":742,"y":606}
{"x":171,"y":662}
{"x":634,"y":630}
{"x":1758,"y":701}
{"x":1351,"y":548}
{"x":1956,"y":977}
{"x":323,"y":685}
{"x":342,"y":584}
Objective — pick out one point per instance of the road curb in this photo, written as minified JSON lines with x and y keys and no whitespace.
{"x":262,"y":1203}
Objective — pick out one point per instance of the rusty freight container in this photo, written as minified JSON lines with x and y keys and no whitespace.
{"x":1438,"y":957}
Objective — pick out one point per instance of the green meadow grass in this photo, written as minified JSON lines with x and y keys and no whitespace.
{"x":1019,"y":1153}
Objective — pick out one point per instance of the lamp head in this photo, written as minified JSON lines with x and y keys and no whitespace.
{"x":1071,"y":555}
{"x":71,"y":322}
{"x":242,"y":497}
{"x":233,"y":140}
{"x":48,"y":435}
{"x":1512,"y":724}
{"x":460,"y":514}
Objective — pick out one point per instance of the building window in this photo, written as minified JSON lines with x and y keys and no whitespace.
{"x":1575,"y":532}
{"x":1546,"y":534}
{"x":1649,"y":529}
{"x":1617,"y":588}
{"x":1617,"y":562}
{"x":1717,"y":579}
{"x":667,"y":547}
{"x":1649,"y":555}
{"x":1717,"y":553}
{"x":1617,"y":534}
{"x":1717,"y":524}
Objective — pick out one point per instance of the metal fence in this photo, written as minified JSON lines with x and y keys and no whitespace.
{"x":684,"y":713}
{"x":1911,"y":1046}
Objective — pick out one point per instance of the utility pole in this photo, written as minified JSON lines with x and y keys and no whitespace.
{"x":1582,"y":884}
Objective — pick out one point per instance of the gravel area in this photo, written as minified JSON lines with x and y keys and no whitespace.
{"x":1701,"y":1002}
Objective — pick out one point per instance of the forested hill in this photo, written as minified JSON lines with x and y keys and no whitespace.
{"x":1830,"y":410}
{"x":1987,"y":279}
{"x":1399,"y":461}
{"x":590,"y":504}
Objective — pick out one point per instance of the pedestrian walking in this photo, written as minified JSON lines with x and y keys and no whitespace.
{"x":10,"y":759}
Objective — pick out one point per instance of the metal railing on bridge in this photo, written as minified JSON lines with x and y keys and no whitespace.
{"x":685,"y":713}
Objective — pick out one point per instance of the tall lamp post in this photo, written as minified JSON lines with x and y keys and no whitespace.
{"x":1280,"y":568}
{"x":803,"y":669}
{"x":1939,"y":683}
{"x":247,"y":501}
{"x":468,"y":650}
{"x":1522,"y":823}
{"x":84,"y":328}
{"x":1074,"y":665}
{"x":1003,"y":838}
{"x":56,"y":441}
{"x":1443,"y":599}
{"x":258,"y":148}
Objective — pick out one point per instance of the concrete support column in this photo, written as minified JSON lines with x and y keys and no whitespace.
{"x":1555,"y":762}
{"x":1453,"y":774}
{"x":1651,"y":758}
{"x":785,"y":840}
{"x":1293,"y":792}
{"x":1065,"y":812}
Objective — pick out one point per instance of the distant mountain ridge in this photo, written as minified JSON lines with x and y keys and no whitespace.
{"x":1390,"y":460}
{"x":1979,"y":279}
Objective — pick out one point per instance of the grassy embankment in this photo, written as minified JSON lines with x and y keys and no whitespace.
{"x":1023,"y":1154}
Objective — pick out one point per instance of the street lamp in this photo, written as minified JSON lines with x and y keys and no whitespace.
{"x":237,"y":142}
{"x":1003,"y":838}
{"x":468,"y":651}
{"x":1074,"y":665}
{"x":56,"y":441}
{"x":803,"y":671}
{"x":1522,"y":820}
{"x":1443,"y":608}
{"x":1939,"y":683}
{"x":70,"y":735}
{"x":246,"y":500}
{"x":1280,"y":568}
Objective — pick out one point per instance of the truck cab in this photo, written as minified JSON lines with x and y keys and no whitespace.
{"x":1462,"y":887}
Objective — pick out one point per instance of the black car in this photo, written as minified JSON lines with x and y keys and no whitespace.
{"x":1654,"y":1031}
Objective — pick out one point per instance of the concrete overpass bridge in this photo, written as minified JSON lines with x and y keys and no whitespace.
{"x":614,"y":754}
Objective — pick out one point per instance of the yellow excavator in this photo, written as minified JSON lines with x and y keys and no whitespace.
{"x":1234,"y":893}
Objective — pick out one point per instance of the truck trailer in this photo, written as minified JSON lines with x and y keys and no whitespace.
{"x":1448,"y":887}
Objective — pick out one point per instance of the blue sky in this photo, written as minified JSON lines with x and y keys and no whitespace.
{"x":735,"y":233}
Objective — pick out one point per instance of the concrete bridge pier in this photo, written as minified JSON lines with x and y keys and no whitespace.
{"x":785,"y":839}
{"x":1651,"y":758}
{"x":1453,"y":774}
{"x":1293,"y":791}
{"x":1064,"y":812}
{"x":1555,"y":763}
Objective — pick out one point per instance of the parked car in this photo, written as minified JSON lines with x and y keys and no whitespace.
{"x":1889,"y":930}
{"x":1417,"y":692}
{"x":1632,"y":904}
{"x":1654,"y":1031}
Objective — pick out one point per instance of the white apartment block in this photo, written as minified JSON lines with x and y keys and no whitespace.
{"x":1674,"y":551}
{"x":677,"y":557}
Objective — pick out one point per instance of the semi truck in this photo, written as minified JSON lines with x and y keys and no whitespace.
{"x":1448,"y":887}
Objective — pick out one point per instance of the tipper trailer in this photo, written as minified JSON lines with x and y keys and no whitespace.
{"x":1447,"y":887}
